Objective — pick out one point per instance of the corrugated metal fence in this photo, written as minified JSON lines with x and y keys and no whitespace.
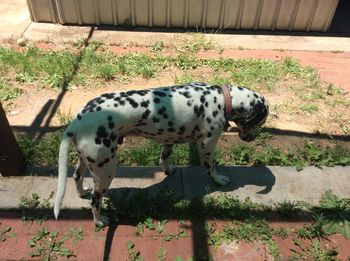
{"x":298,"y":15}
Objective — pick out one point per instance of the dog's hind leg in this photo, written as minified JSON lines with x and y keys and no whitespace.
{"x":78,"y":177}
{"x":103,"y":177}
{"x":164,"y":159}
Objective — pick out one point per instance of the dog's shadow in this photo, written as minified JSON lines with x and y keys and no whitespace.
{"x":189,"y":183}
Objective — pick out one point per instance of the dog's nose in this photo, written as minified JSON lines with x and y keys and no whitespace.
{"x":247,"y":138}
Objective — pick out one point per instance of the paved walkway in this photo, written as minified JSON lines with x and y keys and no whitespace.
{"x":266,"y":185}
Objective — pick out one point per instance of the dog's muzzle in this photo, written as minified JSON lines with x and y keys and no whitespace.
{"x":247,"y":137}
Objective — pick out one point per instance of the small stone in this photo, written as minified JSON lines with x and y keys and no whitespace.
{"x":14,"y":112}
{"x":22,"y":42}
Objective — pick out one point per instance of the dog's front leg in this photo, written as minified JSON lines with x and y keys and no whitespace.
{"x":165,"y":159}
{"x":207,"y":149}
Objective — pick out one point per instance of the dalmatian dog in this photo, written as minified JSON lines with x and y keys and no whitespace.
{"x":194,"y":112}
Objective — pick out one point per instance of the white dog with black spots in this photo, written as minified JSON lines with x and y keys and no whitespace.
{"x":194,"y":112}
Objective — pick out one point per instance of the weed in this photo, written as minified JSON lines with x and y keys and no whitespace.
{"x":157,"y":46}
{"x":333,"y":90}
{"x":241,"y":154}
{"x":288,"y":209}
{"x":263,"y":136}
{"x":64,"y":119}
{"x":8,"y":92}
{"x":313,"y":252}
{"x":162,"y":254}
{"x":161,"y":225}
{"x":33,"y":209}
{"x":183,"y":79}
{"x":133,"y":254}
{"x":186,"y":62}
{"x":105,"y":71}
{"x":77,"y":234}
{"x":309,"y":108}
{"x":43,"y":151}
{"x":248,"y":231}
{"x":315,"y":230}
{"x":335,"y":213}
{"x":48,"y":246}
{"x":196,"y":43}
{"x":281,"y":232}
{"x":5,"y":233}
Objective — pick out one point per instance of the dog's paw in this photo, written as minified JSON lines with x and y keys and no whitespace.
{"x":221,"y":180}
{"x":169,"y":170}
{"x":102,"y":221}
{"x":85,"y":193}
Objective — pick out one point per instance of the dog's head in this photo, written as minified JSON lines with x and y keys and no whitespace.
{"x":256,"y":117}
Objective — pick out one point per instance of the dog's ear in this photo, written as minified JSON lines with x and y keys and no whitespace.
{"x":259,"y":114}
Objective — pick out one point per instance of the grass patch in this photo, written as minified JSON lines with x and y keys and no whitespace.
{"x":8,"y":92}
{"x":59,"y":69}
{"x":48,"y":245}
{"x":43,"y":151}
{"x":33,"y":209}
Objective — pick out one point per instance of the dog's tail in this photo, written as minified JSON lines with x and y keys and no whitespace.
{"x":62,"y":170}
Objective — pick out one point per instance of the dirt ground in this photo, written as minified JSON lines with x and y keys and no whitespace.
{"x":289,"y":125}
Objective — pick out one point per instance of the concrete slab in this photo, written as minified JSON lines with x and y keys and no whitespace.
{"x":264,"y":185}
{"x":55,"y":33}
{"x":270,"y":185}
{"x":15,"y":19}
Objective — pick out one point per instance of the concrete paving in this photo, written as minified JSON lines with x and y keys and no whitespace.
{"x":264,"y":185}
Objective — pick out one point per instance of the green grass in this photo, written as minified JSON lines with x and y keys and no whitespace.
{"x":59,"y":69}
{"x":48,"y":245}
{"x":8,"y":92}
{"x":44,"y":152}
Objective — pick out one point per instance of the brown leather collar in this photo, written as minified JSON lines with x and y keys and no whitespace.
{"x":228,"y":101}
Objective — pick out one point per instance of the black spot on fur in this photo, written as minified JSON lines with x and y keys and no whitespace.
{"x":100,"y":165}
{"x":161,"y":110}
{"x":111,"y":125}
{"x":132,"y":102}
{"x":146,"y":114}
{"x":155,"y":119}
{"x":101,"y":132}
{"x":108,"y":95}
{"x":160,"y":94}
{"x":145,"y":104}
{"x":70,"y":134}
{"x":91,"y":160}
{"x":156,"y":100}
{"x":199,"y":111}
{"x":107,"y":143}
{"x":112,"y":136}
{"x":79,"y":117}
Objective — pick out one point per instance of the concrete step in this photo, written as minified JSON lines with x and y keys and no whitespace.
{"x":264,"y":185}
